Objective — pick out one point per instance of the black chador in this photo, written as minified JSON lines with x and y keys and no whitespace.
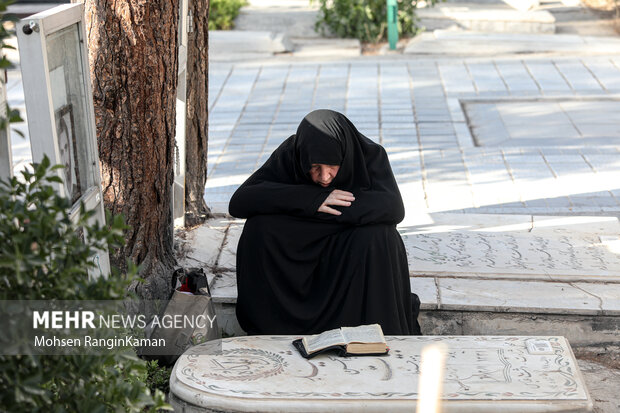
{"x":303,"y":271}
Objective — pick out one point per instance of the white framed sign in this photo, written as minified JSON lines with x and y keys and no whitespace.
{"x":59,"y":104}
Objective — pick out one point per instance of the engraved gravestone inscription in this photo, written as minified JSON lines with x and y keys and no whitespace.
{"x":528,"y":254}
{"x":533,"y":374}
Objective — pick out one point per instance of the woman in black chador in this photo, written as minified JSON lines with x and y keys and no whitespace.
{"x":320,"y":248}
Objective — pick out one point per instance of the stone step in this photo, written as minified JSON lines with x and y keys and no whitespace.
{"x":222,"y":42}
{"x":485,"y":18}
{"x":474,"y":44}
{"x":247,"y":45}
{"x":585,"y":313}
{"x":326,"y":48}
{"x":469,"y":287}
{"x":294,"y":19}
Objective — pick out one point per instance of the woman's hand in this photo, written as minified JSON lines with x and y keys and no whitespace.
{"x":336,"y":197}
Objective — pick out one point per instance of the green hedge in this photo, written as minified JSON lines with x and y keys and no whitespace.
{"x":43,"y":257}
{"x":222,"y":13}
{"x":365,"y":20}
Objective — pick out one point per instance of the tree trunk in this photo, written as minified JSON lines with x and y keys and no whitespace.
{"x":196,"y":210}
{"x":133,"y":49}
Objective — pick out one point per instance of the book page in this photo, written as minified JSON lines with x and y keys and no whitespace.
{"x":363,"y":334}
{"x":323,"y":340}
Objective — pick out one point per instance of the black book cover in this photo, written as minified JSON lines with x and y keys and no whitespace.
{"x":340,"y":350}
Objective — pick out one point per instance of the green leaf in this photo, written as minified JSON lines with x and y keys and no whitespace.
{"x":14,"y":115}
{"x":43,"y":257}
{"x":54,"y":179}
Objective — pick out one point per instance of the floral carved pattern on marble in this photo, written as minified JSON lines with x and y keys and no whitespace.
{"x":477,"y":368}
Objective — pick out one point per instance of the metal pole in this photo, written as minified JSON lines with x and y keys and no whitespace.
{"x":392,"y":23}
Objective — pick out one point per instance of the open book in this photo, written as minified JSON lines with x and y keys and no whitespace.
{"x":346,"y":341}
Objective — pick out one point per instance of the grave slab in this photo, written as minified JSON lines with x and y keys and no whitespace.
{"x":471,"y":16}
{"x":517,"y":297}
{"x":607,"y":294}
{"x":205,"y":241}
{"x":323,"y":47}
{"x":228,"y":256}
{"x":224,"y":288}
{"x":230,"y":41}
{"x":518,"y":247}
{"x":483,"y":374}
{"x":460,"y":43}
{"x":426,"y":289}
{"x":548,"y":256}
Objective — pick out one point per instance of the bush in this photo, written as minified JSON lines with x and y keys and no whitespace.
{"x":158,"y":377}
{"x":365,"y":20}
{"x":222,"y":13}
{"x":44,"y":257}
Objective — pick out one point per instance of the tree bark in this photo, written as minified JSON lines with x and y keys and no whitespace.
{"x":197,"y":125}
{"x":133,"y":49}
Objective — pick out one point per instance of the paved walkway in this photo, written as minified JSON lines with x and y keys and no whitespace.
{"x":525,"y":136}
{"x":507,"y":163}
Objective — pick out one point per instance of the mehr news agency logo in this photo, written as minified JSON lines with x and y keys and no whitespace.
{"x":53,"y":319}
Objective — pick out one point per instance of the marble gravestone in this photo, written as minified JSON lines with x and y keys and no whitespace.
{"x":469,"y":254}
{"x":483,"y":374}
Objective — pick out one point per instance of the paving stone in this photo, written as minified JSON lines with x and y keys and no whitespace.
{"x":455,"y":78}
{"x":574,"y":159}
{"x":547,"y":77}
{"x":516,"y":76}
{"x":443,"y":116}
{"x":515,"y":296}
{"x":599,"y":129}
{"x":542,"y":130}
{"x":228,"y":255}
{"x":489,"y":173}
{"x":206,"y":241}
{"x":591,"y":111}
{"x":558,"y":202}
{"x":456,"y":110}
{"x":578,"y":76}
{"x":486,"y":78}
{"x":607,"y":294}
{"x":463,"y":134}
{"x":426,"y":289}
{"x":224,"y":288}
{"x":567,"y":169}
{"x":399,"y":119}
{"x":435,"y":128}
{"x":536,"y":203}
{"x":606,"y":73}
{"x":436,"y":110}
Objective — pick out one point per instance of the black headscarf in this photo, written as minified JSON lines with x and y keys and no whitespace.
{"x":283,"y":185}
{"x":318,"y":142}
